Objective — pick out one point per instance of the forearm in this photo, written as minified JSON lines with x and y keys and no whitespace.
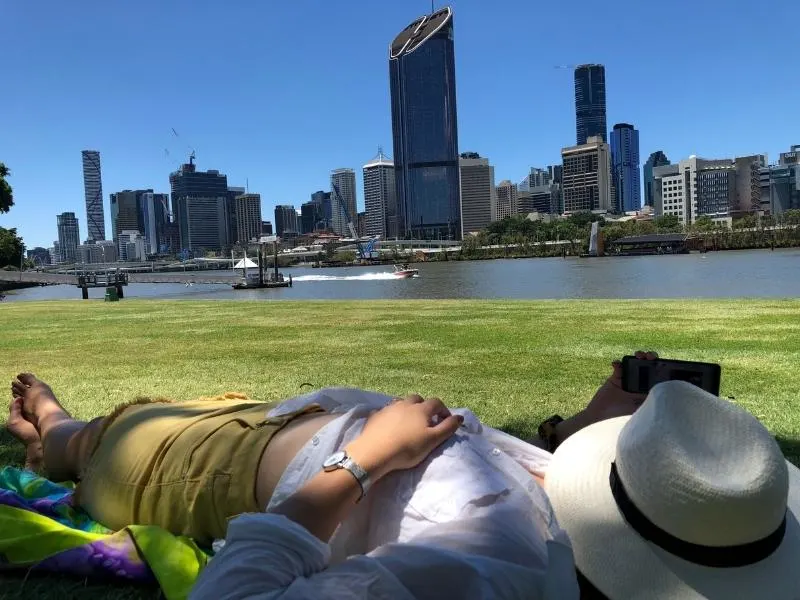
{"x":328,"y":497}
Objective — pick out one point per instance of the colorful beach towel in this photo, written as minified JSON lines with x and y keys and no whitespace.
{"x":41,"y":530}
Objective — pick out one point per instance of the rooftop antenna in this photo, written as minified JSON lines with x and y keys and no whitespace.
{"x":247,"y":184}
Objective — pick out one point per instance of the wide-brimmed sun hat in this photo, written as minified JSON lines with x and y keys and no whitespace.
{"x":690,"y":497}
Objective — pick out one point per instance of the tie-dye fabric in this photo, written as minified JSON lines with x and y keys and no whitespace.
{"x":40,"y":529}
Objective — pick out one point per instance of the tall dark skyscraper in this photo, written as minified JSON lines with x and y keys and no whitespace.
{"x":425,"y":130}
{"x":199,"y":206}
{"x":93,"y":191}
{"x":590,"y":102}
{"x":657,"y":159}
{"x":625,"y":168}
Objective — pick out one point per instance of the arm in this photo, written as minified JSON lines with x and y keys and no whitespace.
{"x":284,"y":553}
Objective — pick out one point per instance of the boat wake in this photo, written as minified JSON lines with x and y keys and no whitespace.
{"x":362,"y":277}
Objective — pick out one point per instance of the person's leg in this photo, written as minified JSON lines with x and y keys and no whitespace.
{"x":64,"y":444}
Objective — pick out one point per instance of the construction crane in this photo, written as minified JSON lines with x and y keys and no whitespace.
{"x":362,"y":254}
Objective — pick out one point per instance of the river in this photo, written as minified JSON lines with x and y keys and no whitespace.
{"x":729,"y":274}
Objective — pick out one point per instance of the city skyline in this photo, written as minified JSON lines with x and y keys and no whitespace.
{"x":515,"y":130}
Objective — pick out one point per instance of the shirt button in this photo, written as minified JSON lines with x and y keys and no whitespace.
{"x":495,"y":452}
{"x":314,"y":441}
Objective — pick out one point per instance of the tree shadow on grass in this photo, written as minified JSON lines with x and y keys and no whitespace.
{"x":523,"y":429}
{"x":11,"y":451}
{"x":790,"y":448}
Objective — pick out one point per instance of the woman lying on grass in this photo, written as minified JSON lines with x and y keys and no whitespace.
{"x":359,"y":471}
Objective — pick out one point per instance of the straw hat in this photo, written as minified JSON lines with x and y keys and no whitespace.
{"x":690,"y":497}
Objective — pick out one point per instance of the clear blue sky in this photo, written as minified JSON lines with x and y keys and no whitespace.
{"x":281,"y":93}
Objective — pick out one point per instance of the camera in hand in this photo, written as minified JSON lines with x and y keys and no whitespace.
{"x":638,"y":375}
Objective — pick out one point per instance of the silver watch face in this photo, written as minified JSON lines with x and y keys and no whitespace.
{"x":333,"y":460}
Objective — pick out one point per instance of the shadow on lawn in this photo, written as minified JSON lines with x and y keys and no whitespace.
{"x":790,"y":448}
{"x":11,"y":451}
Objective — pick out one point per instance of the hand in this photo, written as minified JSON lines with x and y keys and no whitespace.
{"x":402,"y":435}
{"x":613,"y":401}
{"x":608,"y":402}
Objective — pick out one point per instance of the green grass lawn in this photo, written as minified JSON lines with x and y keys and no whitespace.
{"x":513,"y":363}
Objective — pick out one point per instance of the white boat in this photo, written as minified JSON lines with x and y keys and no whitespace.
{"x":405,"y":272}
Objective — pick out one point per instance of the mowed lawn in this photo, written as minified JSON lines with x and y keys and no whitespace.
{"x":512,"y":363}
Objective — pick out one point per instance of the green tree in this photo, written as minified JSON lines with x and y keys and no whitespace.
{"x":11,"y":248}
{"x":703,"y":223}
{"x":668,"y":224}
{"x":6,"y":195}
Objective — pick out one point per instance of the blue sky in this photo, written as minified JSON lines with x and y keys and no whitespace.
{"x":281,"y":93}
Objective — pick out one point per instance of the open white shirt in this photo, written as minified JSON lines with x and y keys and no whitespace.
{"x":468,"y":522}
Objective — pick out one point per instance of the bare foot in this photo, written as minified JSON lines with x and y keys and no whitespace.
{"x":38,"y":400}
{"x":26,"y":433}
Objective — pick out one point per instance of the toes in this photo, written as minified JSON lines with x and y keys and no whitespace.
{"x":17,"y":388}
{"x":27,"y":378}
{"x":15,"y":410}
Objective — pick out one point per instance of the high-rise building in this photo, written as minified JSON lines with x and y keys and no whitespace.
{"x":155,"y":218}
{"x":506,"y":199}
{"x":345,"y":181}
{"x":540,"y":199}
{"x":230,"y":214}
{"x":286,"y":221}
{"x":325,"y":201}
{"x":126,"y":212}
{"x":312,"y":217}
{"x":590,"y":102}
{"x":656,"y":159}
{"x":361,"y":223}
{"x":248,"y":218}
{"x":625,"y":168}
{"x":478,"y":193}
{"x":585,"y":177}
{"x":266,"y":227}
{"x":68,"y":237}
{"x":780,"y":184}
{"x":719,"y":188}
{"x":425,"y":128}
{"x":200,"y":207}
{"x":380,"y":197}
{"x":537,"y":177}
{"x":93,"y":192}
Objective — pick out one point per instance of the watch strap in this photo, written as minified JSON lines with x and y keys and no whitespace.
{"x":547,"y":432}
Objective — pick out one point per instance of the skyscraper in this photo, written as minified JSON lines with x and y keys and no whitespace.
{"x":200,"y":208}
{"x":286,"y":221}
{"x":311,"y":217}
{"x":68,"y":237}
{"x":506,"y":199}
{"x":478,"y":194}
{"x":230,"y":214}
{"x":625,"y":168}
{"x":656,"y":159}
{"x":248,"y":217}
{"x":585,"y":177}
{"x":324,"y":200}
{"x":155,"y":218}
{"x":380,"y":196}
{"x":590,"y":102}
{"x":425,"y":129}
{"x":345,"y":180}
{"x":126,"y":212}
{"x":93,"y":191}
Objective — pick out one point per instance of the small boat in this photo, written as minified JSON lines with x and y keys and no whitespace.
{"x":404,"y":272}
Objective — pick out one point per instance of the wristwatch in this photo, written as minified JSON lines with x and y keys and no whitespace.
{"x":340,"y":460}
{"x":547,"y":432}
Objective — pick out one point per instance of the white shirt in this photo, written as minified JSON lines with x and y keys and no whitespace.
{"x":468,"y":522}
